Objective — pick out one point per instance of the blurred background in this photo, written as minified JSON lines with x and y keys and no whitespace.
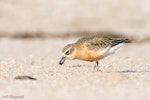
{"x":33,"y":33}
{"x":46,"y":18}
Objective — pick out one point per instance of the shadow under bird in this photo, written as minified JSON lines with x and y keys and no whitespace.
{"x":92,"y":48}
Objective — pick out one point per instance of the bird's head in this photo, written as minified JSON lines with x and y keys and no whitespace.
{"x":67,"y":52}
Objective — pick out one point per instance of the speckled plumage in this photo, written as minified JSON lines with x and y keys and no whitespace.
{"x":92,"y":48}
{"x":101,"y":42}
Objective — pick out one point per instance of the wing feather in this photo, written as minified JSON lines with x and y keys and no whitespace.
{"x":100,"y":42}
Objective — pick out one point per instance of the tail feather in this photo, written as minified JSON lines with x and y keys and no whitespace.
{"x":122,"y":41}
{"x":116,"y":42}
{"x":126,"y":41}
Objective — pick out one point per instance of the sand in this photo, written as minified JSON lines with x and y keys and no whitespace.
{"x":29,"y":67}
{"x":123,"y":76}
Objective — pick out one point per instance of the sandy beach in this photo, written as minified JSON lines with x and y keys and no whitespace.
{"x":33,"y":33}
{"x":124,"y":75}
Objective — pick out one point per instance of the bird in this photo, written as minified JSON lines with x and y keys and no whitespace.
{"x":92,"y":49}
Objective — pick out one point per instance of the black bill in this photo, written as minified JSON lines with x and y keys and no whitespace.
{"x":62,"y":60}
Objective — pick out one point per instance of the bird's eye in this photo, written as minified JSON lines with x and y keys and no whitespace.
{"x":68,"y":52}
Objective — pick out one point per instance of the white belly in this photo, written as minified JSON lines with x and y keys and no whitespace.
{"x":113,"y":49}
{"x":110,"y":50}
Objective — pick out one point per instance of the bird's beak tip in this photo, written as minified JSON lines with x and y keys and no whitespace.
{"x":60,"y":63}
{"x":62,"y":60}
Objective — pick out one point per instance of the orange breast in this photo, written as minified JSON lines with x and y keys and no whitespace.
{"x":88,"y":55}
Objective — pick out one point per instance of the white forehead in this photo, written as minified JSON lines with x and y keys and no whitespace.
{"x":68,"y":49}
{"x":72,"y":40}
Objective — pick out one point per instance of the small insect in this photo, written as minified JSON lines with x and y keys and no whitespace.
{"x":92,"y":48}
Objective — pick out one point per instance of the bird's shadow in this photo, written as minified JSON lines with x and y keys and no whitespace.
{"x":123,"y":71}
{"x":129,"y":71}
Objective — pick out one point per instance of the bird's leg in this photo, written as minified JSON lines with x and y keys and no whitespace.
{"x":96,"y":67}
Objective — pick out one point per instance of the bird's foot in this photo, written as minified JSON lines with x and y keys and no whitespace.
{"x":96,"y":69}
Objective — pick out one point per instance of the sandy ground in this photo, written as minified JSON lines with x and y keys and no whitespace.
{"x":124,"y":75}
